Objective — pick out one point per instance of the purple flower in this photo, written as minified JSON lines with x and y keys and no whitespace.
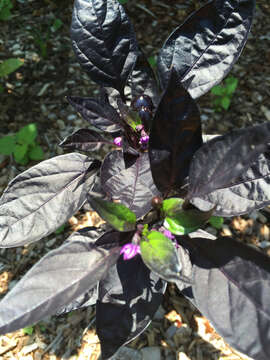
{"x":130,"y":250}
{"x":144,"y":140}
{"x":118,"y":141}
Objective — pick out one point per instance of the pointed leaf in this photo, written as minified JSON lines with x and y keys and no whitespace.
{"x":98,"y":113}
{"x":117,"y":215}
{"x":85,"y":140}
{"x":7,"y":144}
{"x":128,"y":299}
{"x":220,"y":161}
{"x":42,"y":198}
{"x":204,"y":48}
{"x":174,"y":137}
{"x":55,"y":281}
{"x":248,"y":192}
{"x":231,"y":288}
{"x":160,"y":255}
{"x":27,"y":134}
{"x":132,"y":184}
{"x":186,"y":221}
{"x":172,"y":205}
{"x":142,"y":80}
{"x":216,"y":221}
{"x":9,"y":65}
{"x":103,"y":41}
{"x":36,"y":153}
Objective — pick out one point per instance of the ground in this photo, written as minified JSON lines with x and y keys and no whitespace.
{"x":36,"y":94}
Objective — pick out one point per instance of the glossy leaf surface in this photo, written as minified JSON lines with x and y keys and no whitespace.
{"x":85,"y":140}
{"x":174,"y":137}
{"x":233,"y":277}
{"x":204,"y":48}
{"x":132,"y":184}
{"x":142,"y":80}
{"x":55,"y":281}
{"x":186,"y":221}
{"x":171,"y":206}
{"x":219,"y":162}
{"x":160,"y":255}
{"x":128,"y":299}
{"x":116,"y":214}
{"x":248,"y":192}
{"x":104,"y":41}
{"x":42,"y":198}
{"x":98,"y":113}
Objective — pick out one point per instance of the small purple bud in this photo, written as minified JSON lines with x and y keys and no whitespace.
{"x":168,"y":234}
{"x":129,"y":250}
{"x":139,"y":127}
{"x":144,"y":140}
{"x":118,"y":141}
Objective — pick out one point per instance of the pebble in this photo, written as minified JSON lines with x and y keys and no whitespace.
{"x":211,"y":230}
{"x":266,"y":112}
{"x":226,"y":231}
{"x":60,"y":123}
{"x":264,"y":244}
{"x":171,"y":331}
{"x":151,"y":353}
{"x":125,"y":353}
{"x":72,"y":117}
{"x":182,"y":356}
{"x":29,"y":348}
{"x":262,"y":218}
{"x":159,"y":315}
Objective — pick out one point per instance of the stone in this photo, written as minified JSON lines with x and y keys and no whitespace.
{"x":151,"y":353}
{"x":125,"y":353}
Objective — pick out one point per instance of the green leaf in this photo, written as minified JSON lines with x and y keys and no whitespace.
{"x":117,"y":215}
{"x":160,"y":255}
{"x":186,"y":221}
{"x":123,"y":1}
{"x":27,"y":134}
{"x":35,"y":153}
{"x":231,"y":85}
{"x":176,"y":228}
{"x":56,"y":25}
{"x":225,"y":102}
{"x":7,"y":144}
{"x":218,"y":90}
{"x":171,"y":206}
{"x":28,"y":330}
{"x":8,"y":66}
{"x":216,"y":221}
{"x":19,"y":152}
{"x":60,"y":229}
{"x":152,"y":61}
{"x":1,"y":89}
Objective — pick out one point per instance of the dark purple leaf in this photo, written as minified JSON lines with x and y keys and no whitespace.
{"x":231,"y":288}
{"x":221,"y":161}
{"x":174,"y":137}
{"x":132,"y":185}
{"x":128,"y":299}
{"x":85,"y":140}
{"x":142,"y":80}
{"x":250,"y":191}
{"x":87,"y":299}
{"x":55,"y":281}
{"x":204,"y":48}
{"x":44,"y":197}
{"x":104,"y":41}
{"x":98,"y":113}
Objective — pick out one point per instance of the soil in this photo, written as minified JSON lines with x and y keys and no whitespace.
{"x":36,"y":93}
